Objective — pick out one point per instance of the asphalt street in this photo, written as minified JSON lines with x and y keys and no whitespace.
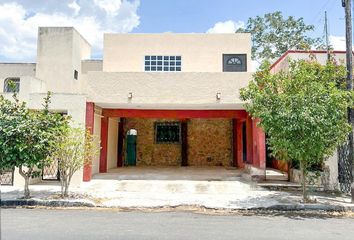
{"x":102,"y":224}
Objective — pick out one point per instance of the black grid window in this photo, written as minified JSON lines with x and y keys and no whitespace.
{"x":167,"y":132}
{"x":11,"y":85}
{"x":163,"y":63}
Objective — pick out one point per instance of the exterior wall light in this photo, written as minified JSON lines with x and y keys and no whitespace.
{"x":218,"y":96}
{"x":130,"y":95}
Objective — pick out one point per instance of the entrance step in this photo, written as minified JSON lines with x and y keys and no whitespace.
{"x":285,"y":186}
{"x":276,"y":175}
{"x":280,"y":185}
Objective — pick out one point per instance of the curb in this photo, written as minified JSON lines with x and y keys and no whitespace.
{"x":78,"y":203}
{"x":309,"y":207}
{"x":45,"y":203}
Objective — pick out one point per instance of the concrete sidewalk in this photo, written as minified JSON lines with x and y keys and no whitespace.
{"x":235,"y":194}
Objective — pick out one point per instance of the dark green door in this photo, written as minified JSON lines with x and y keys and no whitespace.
{"x":131,"y":150}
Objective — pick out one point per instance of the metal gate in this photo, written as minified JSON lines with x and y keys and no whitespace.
{"x":51,"y":172}
{"x":7,"y":177}
{"x":345,"y":160}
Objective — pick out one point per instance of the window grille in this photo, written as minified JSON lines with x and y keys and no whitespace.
{"x":6,"y":177}
{"x":11,"y":85}
{"x":163,"y":63}
{"x":167,"y":132}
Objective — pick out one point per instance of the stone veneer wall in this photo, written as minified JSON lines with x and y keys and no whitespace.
{"x":149,"y":153}
{"x":210,"y":142}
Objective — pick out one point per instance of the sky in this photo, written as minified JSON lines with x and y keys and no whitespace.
{"x":20,"y":19}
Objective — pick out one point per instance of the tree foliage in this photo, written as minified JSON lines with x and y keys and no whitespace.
{"x":303,"y":110}
{"x":75,"y":148}
{"x":27,"y":137}
{"x":273,"y":35}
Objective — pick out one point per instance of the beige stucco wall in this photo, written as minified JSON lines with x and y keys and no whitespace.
{"x":200,"y":52}
{"x":60,"y":51}
{"x":91,"y":65}
{"x":167,"y":90}
{"x":112,"y":143}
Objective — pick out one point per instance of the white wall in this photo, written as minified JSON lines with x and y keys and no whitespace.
{"x":97,"y":133}
{"x":60,"y":51}
{"x":74,"y":105}
{"x":332,"y":164}
{"x":17,"y":70}
{"x":200,"y":52}
{"x":112,"y":146}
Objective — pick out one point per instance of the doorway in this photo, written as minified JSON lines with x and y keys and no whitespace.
{"x":131,"y":147}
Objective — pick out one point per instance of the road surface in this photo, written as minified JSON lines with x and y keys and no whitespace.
{"x":102,"y":224}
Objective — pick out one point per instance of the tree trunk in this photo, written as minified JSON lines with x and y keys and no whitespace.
{"x":62,"y":187}
{"x":62,"y":184}
{"x":26,"y":176}
{"x":66,"y":189}
{"x":65,"y":183}
{"x":303,"y":179}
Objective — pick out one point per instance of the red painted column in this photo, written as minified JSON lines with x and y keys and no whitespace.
{"x":255,"y":154}
{"x":120,"y":143}
{"x":104,"y":142}
{"x":237,"y":143}
{"x":89,"y":123}
{"x":249,"y":140}
{"x":239,"y":140}
{"x":261,"y":145}
{"x":234,"y":143}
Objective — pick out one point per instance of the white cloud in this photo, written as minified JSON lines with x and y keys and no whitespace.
{"x":76,"y":7}
{"x":226,"y":27}
{"x":19,"y":24}
{"x":337,"y":42}
{"x":110,"y":6}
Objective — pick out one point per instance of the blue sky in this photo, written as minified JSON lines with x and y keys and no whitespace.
{"x":199,"y":15}
{"x":19,"y":19}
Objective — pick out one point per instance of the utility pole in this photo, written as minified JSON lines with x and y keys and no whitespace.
{"x":348,"y":161}
{"x":327,"y":41}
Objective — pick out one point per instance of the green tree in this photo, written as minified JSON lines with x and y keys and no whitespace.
{"x":28,"y":137}
{"x":273,"y":35}
{"x":74,"y":149}
{"x":303,"y":111}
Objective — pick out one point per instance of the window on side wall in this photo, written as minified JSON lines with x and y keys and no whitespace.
{"x":167,"y":132}
{"x":234,"y":62}
{"x":11,"y":85}
{"x":76,"y":74}
{"x":158,"y":63}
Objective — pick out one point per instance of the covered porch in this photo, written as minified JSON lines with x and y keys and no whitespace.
{"x":226,"y":139}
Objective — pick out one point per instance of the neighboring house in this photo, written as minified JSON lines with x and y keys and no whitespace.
{"x":282,"y":64}
{"x":330,"y":176}
{"x":154,"y":100}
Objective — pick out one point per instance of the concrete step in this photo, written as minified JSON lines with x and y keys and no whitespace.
{"x":284,"y":186}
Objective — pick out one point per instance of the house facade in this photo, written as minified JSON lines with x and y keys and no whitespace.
{"x":329,"y":178}
{"x":153,"y":100}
